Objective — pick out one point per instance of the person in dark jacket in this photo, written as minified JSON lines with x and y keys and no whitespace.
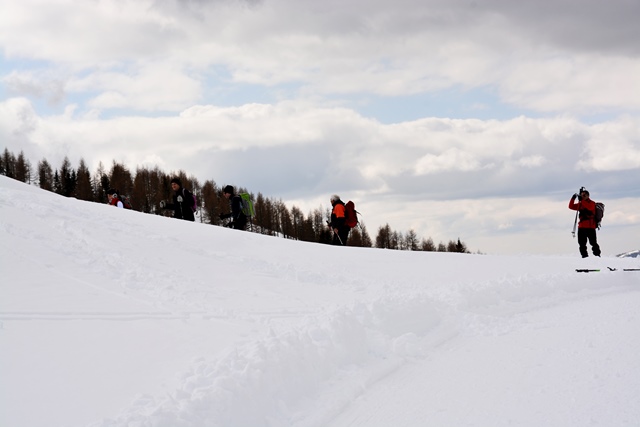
{"x":587,"y":225}
{"x":182,"y":201}
{"x":337,"y":224}
{"x":239,"y":219}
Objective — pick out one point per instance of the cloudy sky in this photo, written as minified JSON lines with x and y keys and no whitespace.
{"x":475,"y":119}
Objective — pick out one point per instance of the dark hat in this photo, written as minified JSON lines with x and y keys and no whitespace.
{"x":228,"y":189}
{"x":176,"y":180}
{"x":112,"y":192}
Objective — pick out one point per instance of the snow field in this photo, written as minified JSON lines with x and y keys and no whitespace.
{"x":116,"y":318}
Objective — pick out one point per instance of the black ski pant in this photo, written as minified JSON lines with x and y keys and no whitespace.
{"x":588,"y":234}
{"x":240,"y":223}
{"x":340,"y":239}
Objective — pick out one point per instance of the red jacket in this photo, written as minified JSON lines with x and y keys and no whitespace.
{"x":114,"y":201}
{"x":587,"y":209}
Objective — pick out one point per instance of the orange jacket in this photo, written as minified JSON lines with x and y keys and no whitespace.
{"x":587,"y":209}
{"x":337,"y":215}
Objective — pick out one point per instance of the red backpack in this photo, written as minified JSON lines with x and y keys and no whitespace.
{"x":350,"y":214}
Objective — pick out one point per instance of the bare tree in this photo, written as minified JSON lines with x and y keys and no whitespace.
{"x":120,"y":179}
{"x":284,"y":220}
{"x":428,"y":245}
{"x":411,"y":241}
{"x":383,"y":239}
{"x":146,"y":194}
{"x":297,"y":222}
{"x":212,"y":201}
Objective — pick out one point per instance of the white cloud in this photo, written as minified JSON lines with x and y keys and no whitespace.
{"x":147,"y":87}
{"x":108,"y":100}
{"x":613,"y":146}
{"x":450,"y":160}
{"x":578,"y":83}
{"x":532,"y":161}
{"x":18,"y":118}
{"x":338,"y":145}
{"x":159,"y":54}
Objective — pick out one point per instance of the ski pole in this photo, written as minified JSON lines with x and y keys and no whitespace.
{"x":338,"y":236}
{"x":573,"y":233}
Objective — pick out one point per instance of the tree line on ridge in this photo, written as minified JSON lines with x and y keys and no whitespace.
{"x":146,"y":187}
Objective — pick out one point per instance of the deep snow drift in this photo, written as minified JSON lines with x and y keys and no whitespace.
{"x":117,"y":318}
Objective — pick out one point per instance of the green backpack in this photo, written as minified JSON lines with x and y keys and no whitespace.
{"x":247,"y":205}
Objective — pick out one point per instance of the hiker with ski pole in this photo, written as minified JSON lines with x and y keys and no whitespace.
{"x":586,"y":213}
{"x":239,"y":218}
{"x":337,"y":223}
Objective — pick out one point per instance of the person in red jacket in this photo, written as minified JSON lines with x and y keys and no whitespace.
{"x":337,"y":223}
{"x":587,"y":225}
{"x":114,"y":198}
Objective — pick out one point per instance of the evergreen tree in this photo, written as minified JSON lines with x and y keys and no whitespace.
{"x":45,"y":175}
{"x":57,"y":183}
{"x":461,"y":247}
{"x":67,"y":179}
{"x":8,"y":164}
{"x":100,"y":184}
{"x":84,"y":188}
{"x":22,"y":169}
{"x":366,"y":239}
{"x":3,"y":168}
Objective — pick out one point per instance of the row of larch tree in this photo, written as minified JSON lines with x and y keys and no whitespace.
{"x":146,"y":187}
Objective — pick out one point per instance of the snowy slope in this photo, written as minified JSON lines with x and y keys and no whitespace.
{"x":117,"y":318}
